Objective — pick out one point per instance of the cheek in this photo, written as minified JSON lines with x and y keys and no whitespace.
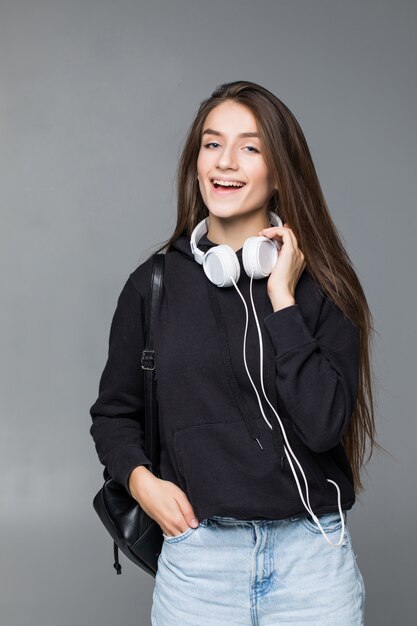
{"x":200,"y":162}
{"x":261,"y":181}
{"x":203,"y":161}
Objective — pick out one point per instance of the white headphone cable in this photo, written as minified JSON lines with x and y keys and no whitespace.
{"x":308,"y":507}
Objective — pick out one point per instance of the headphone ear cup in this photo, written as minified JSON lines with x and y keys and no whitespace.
{"x":259,"y":254}
{"x":219,"y":263}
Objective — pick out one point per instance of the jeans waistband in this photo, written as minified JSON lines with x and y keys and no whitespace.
{"x":233,"y":520}
{"x":257,"y":522}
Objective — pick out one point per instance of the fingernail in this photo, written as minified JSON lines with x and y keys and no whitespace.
{"x":194,"y":522}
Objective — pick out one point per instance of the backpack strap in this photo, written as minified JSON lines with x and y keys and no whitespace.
{"x":152,"y":447}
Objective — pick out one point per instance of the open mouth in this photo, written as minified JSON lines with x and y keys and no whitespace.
{"x":225,"y":187}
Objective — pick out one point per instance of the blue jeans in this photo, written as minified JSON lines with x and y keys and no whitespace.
{"x":259,"y":573}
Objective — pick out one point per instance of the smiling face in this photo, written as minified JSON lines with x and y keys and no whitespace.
{"x":227,"y":156}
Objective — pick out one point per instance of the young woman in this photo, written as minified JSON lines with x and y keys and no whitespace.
{"x":264,"y":382}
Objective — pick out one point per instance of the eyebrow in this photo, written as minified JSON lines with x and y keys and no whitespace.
{"x":210,"y":131}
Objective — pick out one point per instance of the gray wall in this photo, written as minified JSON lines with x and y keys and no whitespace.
{"x":95,"y":100}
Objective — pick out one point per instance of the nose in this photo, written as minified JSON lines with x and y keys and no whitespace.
{"x":226,"y":159}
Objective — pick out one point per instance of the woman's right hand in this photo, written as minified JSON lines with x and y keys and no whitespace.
{"x":163,"y":501}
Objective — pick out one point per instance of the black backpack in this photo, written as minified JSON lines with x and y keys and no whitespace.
{"x":133,"y":531}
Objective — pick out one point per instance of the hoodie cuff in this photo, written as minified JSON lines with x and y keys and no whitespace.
{"x":125,"y":462}
{"x":287,"y":329}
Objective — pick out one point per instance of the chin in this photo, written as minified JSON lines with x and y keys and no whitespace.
{"x":232,"y":211}
{"x":225,"y":212}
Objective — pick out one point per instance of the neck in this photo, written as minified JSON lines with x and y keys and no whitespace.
{"x":234,"y":230}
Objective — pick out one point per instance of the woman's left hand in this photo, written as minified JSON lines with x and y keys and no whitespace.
{"x":288,"y":268}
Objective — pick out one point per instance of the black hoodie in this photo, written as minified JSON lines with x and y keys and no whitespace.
{"x":215,"y":444}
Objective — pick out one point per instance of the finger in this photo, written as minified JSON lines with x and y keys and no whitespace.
{"x":282,"y":231}
{"x":275,"y":230}
{"x":188,"y":511}
{"x":178,"y":526}
{"x":284,"y":235}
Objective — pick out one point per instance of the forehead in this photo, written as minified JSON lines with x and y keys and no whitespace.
{"x":231,"y":118}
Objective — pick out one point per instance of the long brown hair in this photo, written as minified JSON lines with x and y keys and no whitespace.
{"x":301,"y":203}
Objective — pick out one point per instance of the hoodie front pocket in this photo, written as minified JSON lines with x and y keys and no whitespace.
{"x":221,"y":465}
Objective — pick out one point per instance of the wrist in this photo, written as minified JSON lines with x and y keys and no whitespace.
{"x":137,"y":474}
{"x":281,"y":302}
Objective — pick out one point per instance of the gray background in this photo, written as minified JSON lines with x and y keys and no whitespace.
{"x":95,"y":100}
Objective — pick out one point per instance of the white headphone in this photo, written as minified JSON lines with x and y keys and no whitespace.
{"x":220,"y":263}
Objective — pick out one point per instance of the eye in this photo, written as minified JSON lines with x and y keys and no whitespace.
{"x":214,"y":143}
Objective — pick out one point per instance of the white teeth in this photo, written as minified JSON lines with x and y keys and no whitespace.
{"x":227,"y":183}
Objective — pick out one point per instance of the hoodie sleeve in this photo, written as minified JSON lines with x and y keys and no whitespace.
{"x":316,"y":375}
{"x":118,"y":414}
